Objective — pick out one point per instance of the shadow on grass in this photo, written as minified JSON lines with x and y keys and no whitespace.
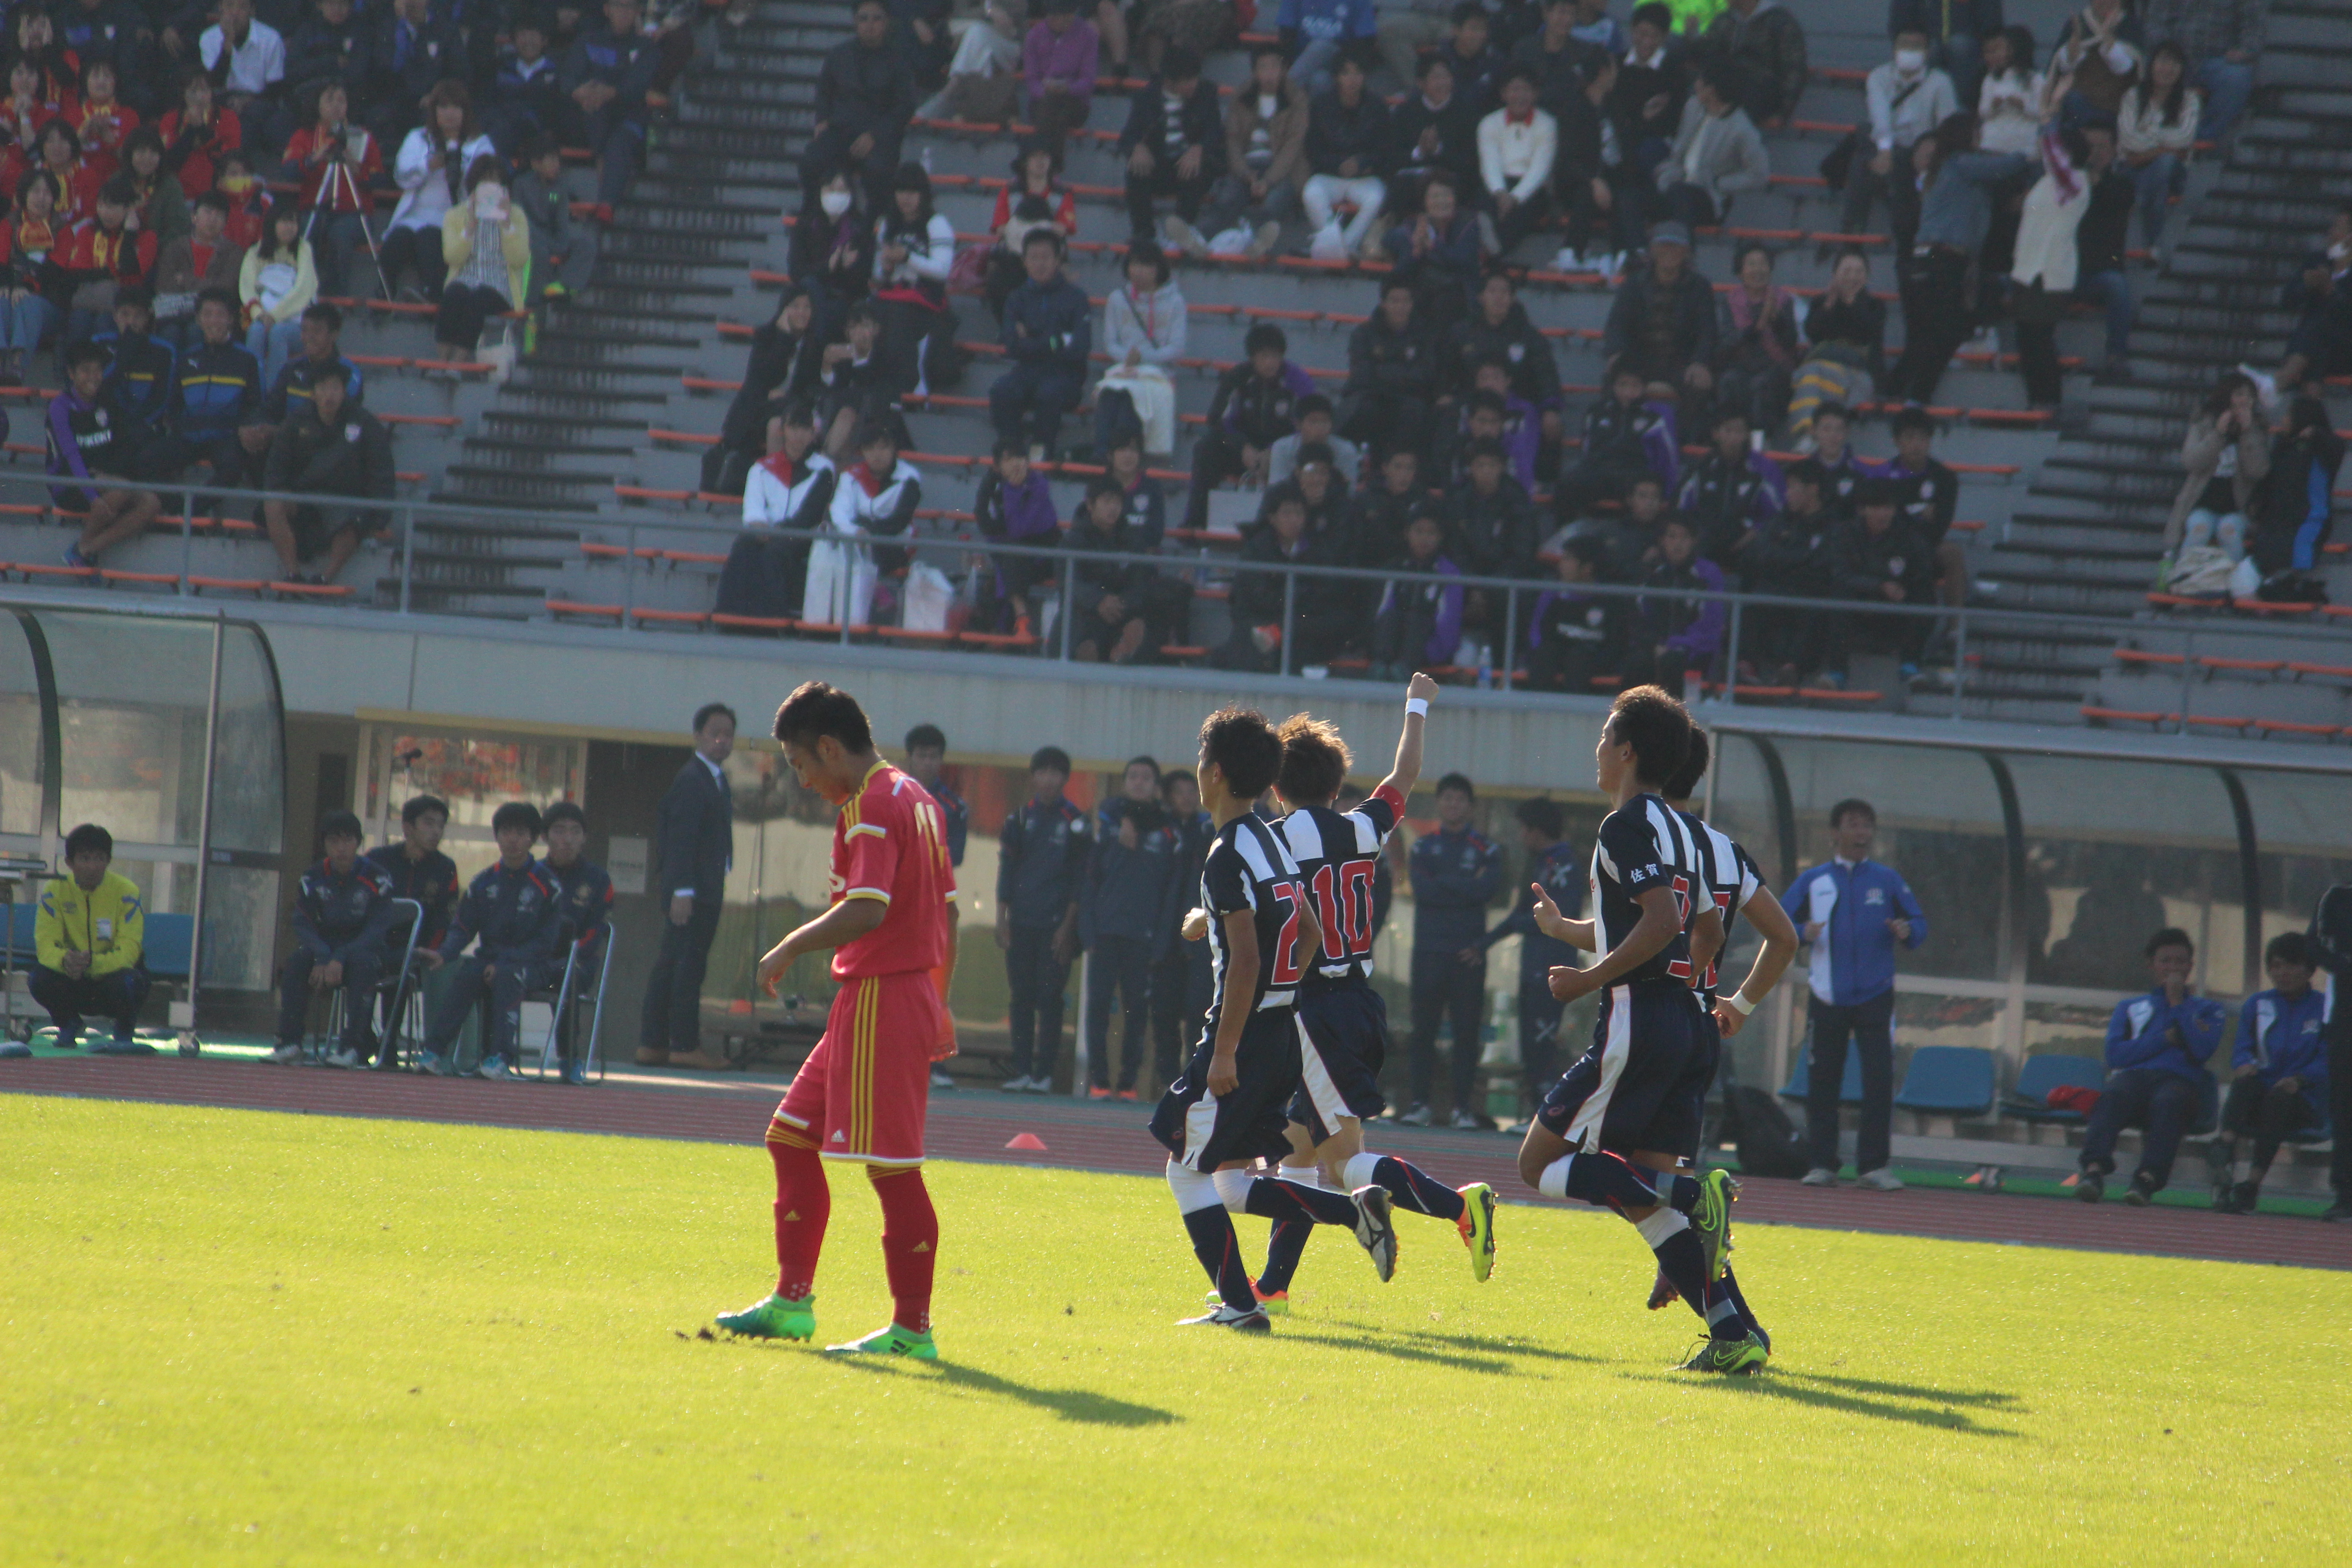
{"x":1080,"y":1405}
{"x":1462,"y":1353}
{"x":1907,"y":1402}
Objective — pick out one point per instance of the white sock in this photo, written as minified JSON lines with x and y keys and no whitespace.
{"x":1304,"y":1175}
{"x":1360,"y":1169}
{"x":1233,"y":1189}
{"x":1553,"y":1183}
{"x":1193,"y":1191}
{"x":1661,"y":1225}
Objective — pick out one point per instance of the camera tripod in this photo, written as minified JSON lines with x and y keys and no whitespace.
{"x":337,"y":183}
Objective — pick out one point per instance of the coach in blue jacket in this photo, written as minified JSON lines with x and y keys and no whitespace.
{"x":1853,"y":910}
{"x":2158,"y":1046}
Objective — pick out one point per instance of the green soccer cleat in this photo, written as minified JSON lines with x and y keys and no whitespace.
{"x":1276,"y":1305}
{"x":1712,"y":1219}
{"x":776,"y":1318}
{"x":891,"y":1340}
{"x":1743,"y":1355}
{"x":1477,"y":1224}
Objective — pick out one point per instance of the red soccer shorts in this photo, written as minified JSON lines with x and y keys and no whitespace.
{"x":863,"y":1092}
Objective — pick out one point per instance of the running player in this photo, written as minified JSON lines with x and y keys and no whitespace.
{"x":1628,"y":1096}
{"x":1227,"y":1112}
{"x":861,"y":1094}
{"x":1344,"y":1024}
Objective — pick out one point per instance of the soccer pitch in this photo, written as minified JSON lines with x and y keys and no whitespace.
{"x":249,"y":1337}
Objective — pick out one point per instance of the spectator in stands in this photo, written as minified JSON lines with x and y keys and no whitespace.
{"x":914,"y":250}
{"x":1846,"y":347}
{"x":101,"y":120}
{"x":1439,"y":253}
{"x":1595,"y":172}
{"x":1853,"y":910}
{"x":1040,"y":866}
{"x":1755,"y":341}
{"x":1730,"y":493}
{"x":116,"y":35}
{"x":1265,"y":156}
{"x":584,"y":893}
{"x":199,"y":133}
{"x":431,"y":172}
{"x":1319,"y":36}
{"x":780,"y":372}
{"x":249,"y":200}
{"x":1432,"y":130}
{"x":1048,"y":332}
{"x":857,"y":385}
{"x":2321,"y":341}
{"x":1315,"y":481}
{"x":1842,"y":471}
{"x":876,"y":497}
{"x":526,"y":97}
{"x":1667,"y":632}
{"x":1317,"y":624}
{"x":2158,"y":1046}
{"x":342,"y":918}
{"x":156,"y":200}
{"x":1254,"y":406}
{"x":1174,"y":145}
{"x":1491,"y":530}
{"x":1014,"y":505}
{"x":1490,"y":413}
{"x":1791,"y":557}
{"x":864,"y":96}
{"x":100,"y":255}
{"x":415,"y":48}
{"x":2047,"y":260}
{"x":512,"y":915}
{"x":985,"y":77}
{"x":2157,"y":129}
{"x":2010,"y":102}
{"x":1418,"y":622}
{"x":1955,"y":33}
{"x":486,"y":249}
{"x":1763,"y":44}
{"x":290,"y":389}
{"x":1377,"y":514}
{"x":1878,"y":559}
{"x":1573,"y":635}
{"x":1499,"y":328}
{"x":1477,"y":52}
{"x":1455,"y":871}
{"x":2225,"y":454}
{"x":694,"y":839}
{"x":832,"y":253}
{"x":1393,"y":373}
{"x":278,"y":283}
{"x":1652,"y":82}
{"x":2294,"y":507}
{"x":1035,"y":195}
{"x":1127,"y":914}
{"x":2278,"y":1077}
{"x":215,"y":392}
{"x":419,"y":870}
{"x":332,"y":44}
{"x":2100,"y":48}
{"x":1909,"y":100}
{"x":137,"y":392}
{"x":334,"y":448}
{"x":1625,"y":436}
{"x":1316,"y":422}
{"x":1662,"y":323}
{"x":84,"y":446}
{"x":791,"y":486}
{"x":248,"y":59}
{"x":1057,"y":70}
{"x":32,"y":233}
{"x":37,"y":45}
{"x":1959,"y":188}
{"x":2221,"y":39}
{"x":1144,"y":334}
{"x":60,"y":157}
{"x":90,"y":934}
{"x":2099,"y":242}
{"x":610,"y":76}
{"x":337,"y":164}
{"x":1517,"y":144}
{"x":1718,"y":153}
{"x":562,"y":249}
{"x":203,"y":257}
{"x":1558,"y":58}
{"x":1146,"y":508}
{"x":1108,"y":597}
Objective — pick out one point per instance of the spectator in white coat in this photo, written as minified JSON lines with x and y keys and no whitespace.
{"x":430,"y":170}
{"x":1143,"y":333}
{"x":1517,"y":145}
{"x":791,"y":486}
{"x":876,"y":497}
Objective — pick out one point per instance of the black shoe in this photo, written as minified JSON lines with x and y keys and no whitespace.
{"x":2338,"y":1210}
{"x":2225,"y":1197}
{"x":2143,"y":1191}
{"x":2246,"y":1198}
{"x":2091,"y":1187}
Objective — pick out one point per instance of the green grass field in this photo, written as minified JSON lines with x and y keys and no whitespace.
{"x":243,"y":1337}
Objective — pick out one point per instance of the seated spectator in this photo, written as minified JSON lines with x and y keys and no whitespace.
{"x":205,"y":258}
{"x":1718,"y":153}
{"x":2155,"y":130}
{"x":914,"y":251}
{"x":37,"y":43}
{"x":1316,"y":426}
{"x":1057,"y":70}
{"x":1755,"y":341}
{"x":1730,"y":493}
{"x":1489,"y":413}
{"x":2225,"y":454}
{"x":1558,"y":58}
{"x":1317,"y":624}
{"x":1574,"y":634}
{"x":1652,"y":81}
{"x":1662,"y":323}
{"x":2099,"y":241}
{"x":430,"y":170}
{"x":857,"y":385}
{"x":290,"y":388}
{"x":1393,"y":372}
{"x":1036,"y":197}
{"x":101,"y":120}
{"x":832,"y":253}
{"x":2294,"y":507}
{"x":2221,"y":39}
{"x":248,"y":59}
{"x":780,"y":372}
{"x":1516,"y":146}
{"x":2158,"y":1046}
{"x":789,"y":487}
{"x":2320,"y":344}
{"x":1845,"y":346}
{"x":1440,"y":252}
{"x":1956,"y":33}
{"x":1319,"y":36}
{"x":1174,"y":145}
{"x":1014,"y":505}
{"x":1265,"y":156}
{"x":1418,"y":624}
{"x":2101,"y":49}
{"x":1908,"y":98}
{"x":84,"y":446}
{"x":1606,"y":202}
{"x":1254,"y":406}
{"x":1491,"y":533}
{"x":332,"y":449}
{"x":1926,"y":496}
{"x":526,"y":99}
{"x":343,"y":917}
{"x":864,"y":96}
{"x":2010,"y":104}
{"x":1763,"y":45}
{"x":89,"y":933}
{"x":33,"y":235}
{"x":1626,"y":436}
{"x":1109,"y":599}
{"x":248,"y":199}
{"x":420,"y":871}
{"x":1048,"y":332}
{"x":1877,"y":560}
{"x":585,"y":893}
{"x":114,"y":34}
{"x":1144,"y":334}
{"x":1470,"y":52}
{"x":2278,"y":1074}
{"x":512,"y":916}
{"x":1498,"y":327}
{"x":199,"y":133}
{"x":563,"y":247}
{"x":336,"y":164}
{"x":137,"y":392}
{"x":61,"y":159}
{"x":23,"y":117}
{"x":1373,"y":534}
{"x":414,"y":49}
{"x":100,"y":255}
{"x":1432,"y":130}
{"x":1959,"y":189}
{"x":1316,"y":483}
{"x":332,"y":44}
{"x":1791,"y":557}
{"x":1146,"y":508}
{"x":985,"y":77}
{"x":1669,"y":633}
{"x":215,"y":393}
{"x":486,"y":248}
{"x":156,"y":203}
{"x":876,"y":497}
{"x":1842,"y":471}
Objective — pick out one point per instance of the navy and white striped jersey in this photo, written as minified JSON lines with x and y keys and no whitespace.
{"x":1338,"y":855}
{"x":1729,"y":875}
{"x":1644,"y":844}
{"x":1250,"y":868}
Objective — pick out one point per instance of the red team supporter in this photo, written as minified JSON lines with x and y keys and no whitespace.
{"x":863,"y":1092}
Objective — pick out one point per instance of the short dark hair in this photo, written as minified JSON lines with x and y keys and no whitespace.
{"x":1314,"y":403}
{"x":929,"y":735}
{"x":119,"y":192}
{"x":1144,"y":760}
{"x":2171,"y":936}
{"x":326,"y":315}
{"x":89,"y":837}
{"x":82,"y":353}
{"x":220,"y":297}
{"x":1658,"y":16}
{"x":1806,"y":470}
{"x":562,"y":811}
{"x":1848,"y":807}
{"x":516,"y":813}
{"x":1656,"y":726}
{"x":1685,"y":780}
{"x":1918,"y":419}
{"x":1484,"y":447}
{"x":1315,"y":760}
{"x":418,"y":806}
{"x":1877,"y":491}
{"x":334,"y":370}
{"x":1180,"y":64}
{"x":1469,"y":11}
{"x":1244,"y":748}
{"x":1722,"y":78}
{"x":2291,"y":947}
{"x":1486,"y":402}
{"x":1177,"y":775}
{"x":340,"y":825}
{"x":1837,"y":411}
{"x":1043,"y":234}
{"x":212,"y":199}
{"x":1316,"y":452}
{"x":1050,"y":759}
{"x":708,"y":710}
{"x":817,"y":709}
{"x":1459,"y":782}
{"x":1725,"y":414}
{"x":1264,"y":335}
{"x":1541,"y":814}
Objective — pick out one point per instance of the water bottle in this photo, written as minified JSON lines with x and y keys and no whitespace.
{"x":1486,"y":669}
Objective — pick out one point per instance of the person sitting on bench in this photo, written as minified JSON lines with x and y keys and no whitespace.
{"x":89,"y":935}
{"x":343,"y":919}
{"x":515,"y":908}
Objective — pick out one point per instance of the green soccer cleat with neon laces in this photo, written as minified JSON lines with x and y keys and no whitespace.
{"x":1477,"y":1224}
{"x":776,"y":1318}
{"x":1712,"y":1219}
{"x":1740,"y":1356}
{"x":915,"y":1344}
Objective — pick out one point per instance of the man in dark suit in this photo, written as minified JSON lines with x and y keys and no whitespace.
{"x":693,"y":844}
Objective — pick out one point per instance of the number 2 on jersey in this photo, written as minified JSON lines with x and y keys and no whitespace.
{"x":1286,"y":945}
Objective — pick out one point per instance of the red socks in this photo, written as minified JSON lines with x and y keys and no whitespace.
{"x":804,"y":1204}
{"x":910,"y":1241}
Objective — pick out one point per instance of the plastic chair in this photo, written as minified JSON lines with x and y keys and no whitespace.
{"x":2030,"y":1102}
{"x":1949,"y":1080}
{"x":1848,"y":1093}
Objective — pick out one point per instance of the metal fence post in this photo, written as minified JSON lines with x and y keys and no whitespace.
{"x":1730,"y":681}
{"x":1511,"y":640}
{"x":1289,"y":613}
{"x":1069,"y":587}
{"x":187,"y":540}
{"x":2188,"y":677}
{"x":407,"y":553}
{"x":629,"y":581}
{"x":1960,"y":661}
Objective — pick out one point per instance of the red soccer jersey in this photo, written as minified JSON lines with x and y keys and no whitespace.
{"x":890,"y":843}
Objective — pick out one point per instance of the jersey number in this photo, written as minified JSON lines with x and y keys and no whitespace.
{"x":1343,"y":898}
{"x":1680,"y":968}
{"x":1286,"y":945}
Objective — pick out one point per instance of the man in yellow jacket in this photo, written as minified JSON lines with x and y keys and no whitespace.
{"x":89,"y":936}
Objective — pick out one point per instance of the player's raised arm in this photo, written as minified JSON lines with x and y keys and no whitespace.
{"x":1406,"y":772}
{"x":1779,"y":933}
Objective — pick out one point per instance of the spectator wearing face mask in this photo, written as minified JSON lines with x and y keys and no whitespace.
{"x":486,"y":244}
{"x":1907,"y":98}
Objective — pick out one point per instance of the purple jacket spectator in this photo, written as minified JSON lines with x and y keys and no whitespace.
{"x":1702,"y":635}
{"x":1065,"y":60}
{"x":1445,"y":628}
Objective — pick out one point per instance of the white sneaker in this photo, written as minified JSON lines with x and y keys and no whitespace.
{"x":284,"y":1056}
{"x":1041,"y":1084}
{"x":343,"y":1058}
{"x":1465,"y":1122}
{"x":1185,"y":237}
{"x":943,"y":1078}
{"x":1262,"y":245}
{"x":1821,"y":1176}
{"x":1014,"y":1085}
{"x":1882,"y":1180}
{"x":495,"y":1069}
{"x":1567,"y":260}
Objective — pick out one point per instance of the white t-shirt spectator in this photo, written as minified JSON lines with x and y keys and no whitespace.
{"x":2009,"y":108}
{"x":254,"y":66}
{"x":424,"y":190}
{"x":1516,"y":155}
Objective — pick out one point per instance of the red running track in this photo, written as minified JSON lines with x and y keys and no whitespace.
{"x":972,"y":1125}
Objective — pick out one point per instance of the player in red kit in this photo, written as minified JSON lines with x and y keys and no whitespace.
{"x":861,"y":1093}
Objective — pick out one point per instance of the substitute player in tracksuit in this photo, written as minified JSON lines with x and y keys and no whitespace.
{"x":2278,"y":1084}
{"x":342,"y":911}
{"x":584,"y":893}
{"x":1041,"y":863}
{"x":862,"y":1094}
{"x":514,"y":909}
{"x":1552,"y":866}
{"x":1455,"y":871}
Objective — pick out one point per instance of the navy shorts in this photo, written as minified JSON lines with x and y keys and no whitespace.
{"x":1698,"y":1081}
{"x":1250,"y":1123}
{"x":1347,"y":1040}
{"x":1631,"y":1089}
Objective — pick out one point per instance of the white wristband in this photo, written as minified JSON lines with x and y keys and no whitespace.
{"x":1417,"y":705}
{"x":1740,"y":1003}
